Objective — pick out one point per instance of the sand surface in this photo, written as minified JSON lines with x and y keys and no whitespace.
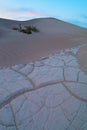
{"x":82,"y":58}
{"x":54,"y":35}
{"x":48,"y":93}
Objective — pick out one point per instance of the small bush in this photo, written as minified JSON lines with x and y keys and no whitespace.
{"x":26,"y":29}
{"x":32,"y":28}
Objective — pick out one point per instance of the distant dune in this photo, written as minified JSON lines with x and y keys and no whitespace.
{"x":53,"y":35}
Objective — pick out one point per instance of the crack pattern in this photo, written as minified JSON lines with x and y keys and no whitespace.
{"x":44,"y":95}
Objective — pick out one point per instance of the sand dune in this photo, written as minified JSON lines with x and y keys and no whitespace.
{"x":53,"y":35}
{"x":54,"y":87}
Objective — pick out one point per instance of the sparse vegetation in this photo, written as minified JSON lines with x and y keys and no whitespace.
{"x":32,"y":28}
{"x":26,"y":29}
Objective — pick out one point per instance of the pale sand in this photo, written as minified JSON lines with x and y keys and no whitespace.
{"x":54,"y":35}
{"x":82,"y":58}
{"x":50,"y":94}
{"x":54,"y":88}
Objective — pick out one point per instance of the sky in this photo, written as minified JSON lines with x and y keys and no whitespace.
{"x":73,"y":11}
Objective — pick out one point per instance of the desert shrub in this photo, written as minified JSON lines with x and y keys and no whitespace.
{"x":32,"y":28}
{"x":26,"y":29}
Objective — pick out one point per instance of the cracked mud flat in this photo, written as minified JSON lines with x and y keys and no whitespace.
{"x":49,"y":94}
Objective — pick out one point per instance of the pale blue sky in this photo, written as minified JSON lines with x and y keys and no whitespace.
{"x":74,"y":11}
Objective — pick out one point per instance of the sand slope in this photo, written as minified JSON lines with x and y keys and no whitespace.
{"x":51,"y":93}
{"x":16,"y":48}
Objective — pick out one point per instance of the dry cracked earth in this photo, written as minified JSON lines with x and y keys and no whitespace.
{"x":49,"y":94}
